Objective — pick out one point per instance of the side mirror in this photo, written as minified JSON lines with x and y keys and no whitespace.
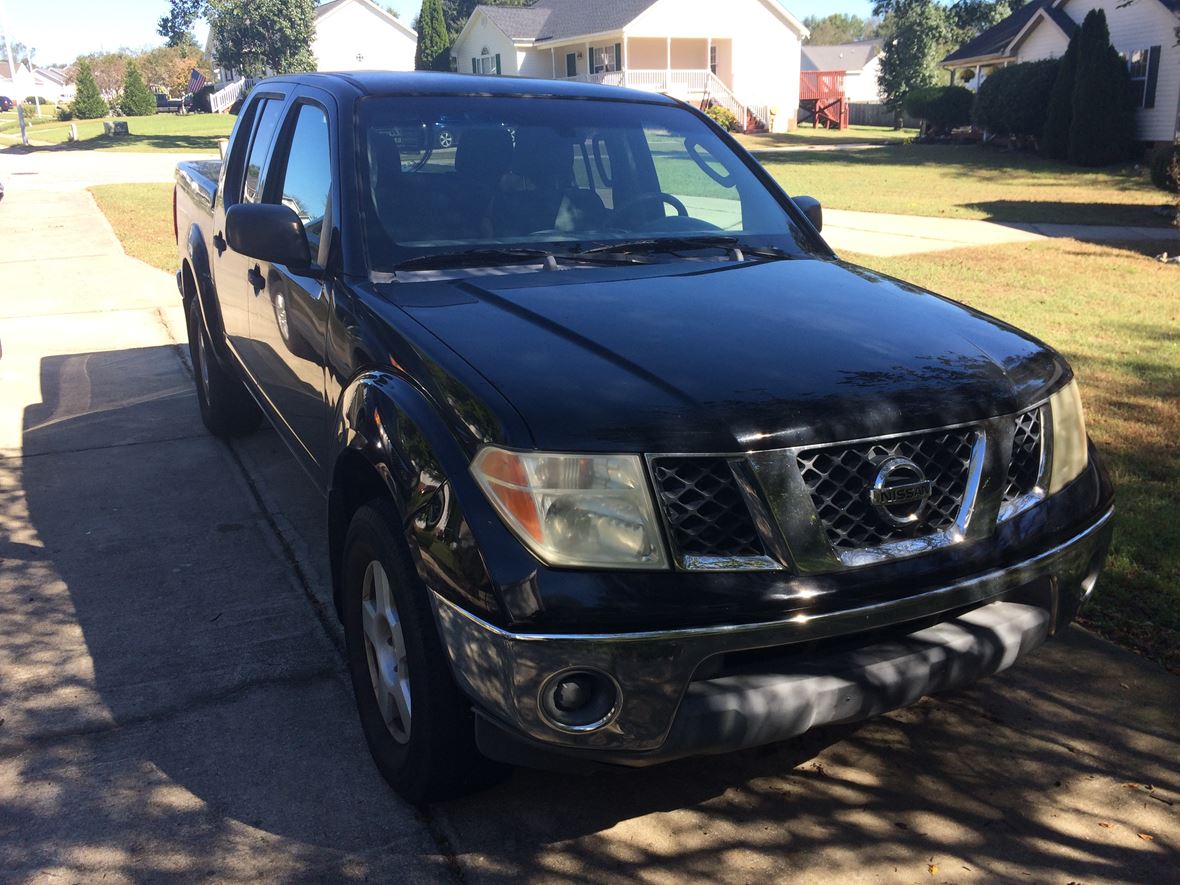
{"x":812,"y":209}
{"x":269,"y":232}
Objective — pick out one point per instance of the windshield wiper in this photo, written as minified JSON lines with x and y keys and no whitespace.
{"x":494,"y":257}
{"x":473,"y":258}
{"x":737,"y":249}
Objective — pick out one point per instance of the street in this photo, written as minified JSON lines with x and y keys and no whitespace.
{"x":174,"y":704}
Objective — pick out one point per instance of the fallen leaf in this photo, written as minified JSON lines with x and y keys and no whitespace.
{"x":1103,"y":823}
{"x":900,"y":825}
{"x":932,"y":869}
{"x":1146,"y":838}
{"x":1124,"y":685}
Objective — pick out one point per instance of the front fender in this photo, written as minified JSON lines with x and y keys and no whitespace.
{"x":391,"y":427}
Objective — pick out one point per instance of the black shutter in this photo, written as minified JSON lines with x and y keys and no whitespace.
{"x":1153,"y":74}
{"x":498,"y":71}
{"x":475,"y":65}
{"x":618,"y":56}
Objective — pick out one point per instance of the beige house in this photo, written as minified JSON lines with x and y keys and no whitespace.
{"x":741,"y":54}
{"x":1144,"y":32}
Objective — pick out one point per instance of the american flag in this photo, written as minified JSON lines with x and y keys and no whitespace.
{"x":196,"y":80}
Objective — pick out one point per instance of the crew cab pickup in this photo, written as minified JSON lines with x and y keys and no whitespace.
{"x":620,"y":462}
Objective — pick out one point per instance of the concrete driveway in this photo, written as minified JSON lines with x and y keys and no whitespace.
{"x":173,"y":702}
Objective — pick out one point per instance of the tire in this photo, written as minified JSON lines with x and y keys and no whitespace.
{"x":422,"y":738}
{"x":227,"y":408}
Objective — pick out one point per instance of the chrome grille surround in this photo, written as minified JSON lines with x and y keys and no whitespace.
{"x":1028,"y":468}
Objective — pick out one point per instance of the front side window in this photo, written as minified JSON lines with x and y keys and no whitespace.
{"x":452,"y":172}
{"x":1139,"y":70}
{"x":307,"y":178}
{"x":267,"y":116}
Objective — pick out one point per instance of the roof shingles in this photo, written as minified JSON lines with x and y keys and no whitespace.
{"x":558,"y":19}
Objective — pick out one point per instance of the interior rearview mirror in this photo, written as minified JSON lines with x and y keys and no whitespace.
{"x":269,"y":232}
{"x":812,"y":209}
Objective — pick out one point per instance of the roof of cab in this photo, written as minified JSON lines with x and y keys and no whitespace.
{"x":359,"y":83}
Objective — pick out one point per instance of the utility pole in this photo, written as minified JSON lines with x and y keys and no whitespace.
{"x":20,"y":113}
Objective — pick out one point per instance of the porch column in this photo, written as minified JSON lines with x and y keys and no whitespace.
{"x":589,"y":62}
{"x":553,"y":61}
{"x":975,"y":81}
{"x":709,"y":57}
{"x":668,"y":67}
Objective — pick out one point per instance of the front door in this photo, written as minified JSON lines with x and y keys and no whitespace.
{"x":236,"y":275}
{"x":289,"y":313}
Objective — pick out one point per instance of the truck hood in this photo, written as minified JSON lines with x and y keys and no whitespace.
{"x":734,"y":357}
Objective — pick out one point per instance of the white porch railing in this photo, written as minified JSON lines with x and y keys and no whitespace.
{"x":691,"y":85}
{"x":223,"y":99}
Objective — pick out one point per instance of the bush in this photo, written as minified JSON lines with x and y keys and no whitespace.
{"x":1102,"y":128}
{"x":1165,"y":169}
{"x":943,"y":108}
{"x":33,"y":99}
{"x":136,"y":100}
{"x":1055,"y":138}
{"x":1015,"y":100}
{"x":64,"y":113}
{"x":723,"y":117}
{"x":88,"y":102}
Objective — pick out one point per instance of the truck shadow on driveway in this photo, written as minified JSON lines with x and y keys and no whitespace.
{"x":175,"y":708}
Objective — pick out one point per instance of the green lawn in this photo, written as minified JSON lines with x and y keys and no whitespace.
{"x":1113,"y":314}
{"x":161,"y":132}
{"x":970,"y":181}
{"x":141,"y":215}
{"x":805,"y":135}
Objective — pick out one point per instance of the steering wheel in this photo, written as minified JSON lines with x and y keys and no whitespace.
{"x":657,"y":197}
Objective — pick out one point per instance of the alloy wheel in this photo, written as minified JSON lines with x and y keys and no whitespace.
{"x":385,"y":650}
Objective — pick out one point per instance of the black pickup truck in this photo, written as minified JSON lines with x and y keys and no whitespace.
{"x":620,"y":462}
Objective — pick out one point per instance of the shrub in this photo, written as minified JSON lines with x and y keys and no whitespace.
{"x":88,"y":102}
{"x":942,"y":107}
{"x":136,"y":100}
{"x":723,"y":117}
{"x":64,"y":113}
{"x":1165,"y":169}
{"x":1102,"y":128}
{"x":1055,"y":138}
{"x":33,"y":99}
{"x":1015,"y":100}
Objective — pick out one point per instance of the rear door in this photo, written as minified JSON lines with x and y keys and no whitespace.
{"x":236,"y":276}
{"x":288,"y":315}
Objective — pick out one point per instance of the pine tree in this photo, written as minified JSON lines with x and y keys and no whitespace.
{"x":1102,"y":128}
{"x":137,"y":100}
{"x":88,"y":101}
{"x":433,"y":40}
{"x":1055,"y":138}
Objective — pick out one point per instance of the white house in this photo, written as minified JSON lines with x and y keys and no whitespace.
{"x":352,"y":35}
{"x":742,"y":54}
{"x":860,"y":62}
{"x":1143,"y":31}
{"x":16,"y":85}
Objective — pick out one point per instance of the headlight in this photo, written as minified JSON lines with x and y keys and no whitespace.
{"x":574,"y":510}
{"x":1070,"y":453}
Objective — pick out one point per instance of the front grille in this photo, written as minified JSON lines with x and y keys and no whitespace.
{"x":1024,"y":470}
{"x":839,"y":478}
{"x":704,"y":509}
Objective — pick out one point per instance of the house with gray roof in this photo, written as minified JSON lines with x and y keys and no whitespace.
{"x":859,"y":61}
{"x":1144,"y":32}
{"x":741,"y":54}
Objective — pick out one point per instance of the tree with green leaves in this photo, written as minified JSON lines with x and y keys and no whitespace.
{"x":433,"y":39}
{"x":136,"y":100}
{"x":88,"y":102}
{"x":915,"y":33}
{"x":176,"y":27}
{"x":830,"y":30}
{"x":260,"y":37}
{"x":1055,"y":138}
{"x":1102,"y":127}
{"x":970,"y":18}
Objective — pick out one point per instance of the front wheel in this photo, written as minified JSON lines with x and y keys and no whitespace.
{"x":418,"y":726}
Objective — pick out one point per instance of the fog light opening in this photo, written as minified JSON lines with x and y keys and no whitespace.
{"x":579,"y":700}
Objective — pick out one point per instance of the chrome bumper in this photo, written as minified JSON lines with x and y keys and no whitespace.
{"x":663,"y":713}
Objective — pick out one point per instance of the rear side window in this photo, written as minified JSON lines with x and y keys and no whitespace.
{"x":307,"y":179}
{"x":267,"y":121}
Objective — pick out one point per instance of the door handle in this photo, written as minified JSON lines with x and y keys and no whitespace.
{"x":219,"y":243}
{"x":254,"y":275}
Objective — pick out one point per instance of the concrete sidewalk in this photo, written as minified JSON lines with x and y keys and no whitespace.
{"x":173,"y":704}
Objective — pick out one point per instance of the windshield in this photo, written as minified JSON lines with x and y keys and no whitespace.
{"x":466,"y":173}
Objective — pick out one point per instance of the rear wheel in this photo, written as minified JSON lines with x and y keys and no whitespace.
{"x":418,"y":725}
{"x":227,"y":409}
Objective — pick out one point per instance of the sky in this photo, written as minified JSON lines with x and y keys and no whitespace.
{"x":60,"y":30}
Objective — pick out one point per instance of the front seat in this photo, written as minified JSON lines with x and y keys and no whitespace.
{"x":539,"y":195}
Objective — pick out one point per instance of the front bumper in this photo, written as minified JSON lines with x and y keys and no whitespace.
{"x":667,"y":709}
